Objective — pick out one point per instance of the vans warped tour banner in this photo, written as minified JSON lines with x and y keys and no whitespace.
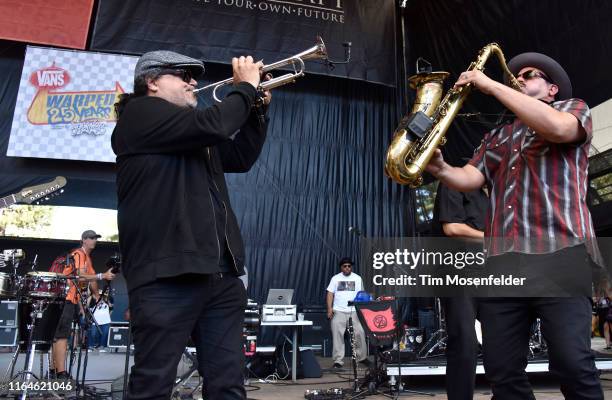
{"x":65,"y":104}
{"x":217,"y":30}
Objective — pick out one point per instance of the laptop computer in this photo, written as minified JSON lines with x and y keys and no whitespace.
{"x":279,"y":296}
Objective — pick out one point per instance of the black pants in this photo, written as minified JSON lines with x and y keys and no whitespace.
{"x":462,"y":347}
{"x":166,"y":312}
{"x":566,"y":327}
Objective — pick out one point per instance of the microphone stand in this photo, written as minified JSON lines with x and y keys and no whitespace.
{"x":87,"y":321}
{"x":357,"y":232}
{"x":356,"y":394}
{"x":84,"y":327}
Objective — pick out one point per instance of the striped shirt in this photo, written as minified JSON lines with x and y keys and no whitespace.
{"x":537,"y":188}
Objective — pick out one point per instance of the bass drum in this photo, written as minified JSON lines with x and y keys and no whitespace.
{"x":46,"y":319}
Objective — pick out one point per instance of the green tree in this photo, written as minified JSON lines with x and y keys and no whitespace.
{"x":21,"y":219}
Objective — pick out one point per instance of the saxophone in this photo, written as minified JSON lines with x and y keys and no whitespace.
{"x":421,"y":131}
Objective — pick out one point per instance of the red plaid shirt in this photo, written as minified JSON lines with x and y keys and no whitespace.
{"x":537,"y":188}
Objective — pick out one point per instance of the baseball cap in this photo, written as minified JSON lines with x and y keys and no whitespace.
{"x":345,"y":260}
{"x":89,"y":234}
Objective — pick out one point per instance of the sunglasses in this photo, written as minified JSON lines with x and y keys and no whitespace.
{"x":91,"y":237}
{"x":184,"y":74}
{"x":347,"y":266}
{"x":532,"y":73}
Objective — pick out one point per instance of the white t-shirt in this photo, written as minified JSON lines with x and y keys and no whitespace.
{"x":345,"y":289}
{"x":102,"y":314}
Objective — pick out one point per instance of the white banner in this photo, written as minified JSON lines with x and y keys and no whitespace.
{"x":65,"y":104}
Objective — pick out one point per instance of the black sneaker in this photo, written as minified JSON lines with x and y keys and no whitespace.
{"x":62,"y":376}
{"x":337,"y":365}
{"x":365,"y":362}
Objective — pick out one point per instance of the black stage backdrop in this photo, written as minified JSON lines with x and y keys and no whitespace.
{"x":449,"y":34}
{"x":321,"y":171}
{"x":217,"y":30}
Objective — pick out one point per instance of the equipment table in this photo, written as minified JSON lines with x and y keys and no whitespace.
{"x":295,"y":326}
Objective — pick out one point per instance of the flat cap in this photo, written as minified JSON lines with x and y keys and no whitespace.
{"x":162,"y":59}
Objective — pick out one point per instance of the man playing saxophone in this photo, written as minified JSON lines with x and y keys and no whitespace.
{"x":536,"y":171}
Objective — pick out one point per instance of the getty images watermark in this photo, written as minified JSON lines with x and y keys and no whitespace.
{"x":444,"y":267}
{"x":458,"y":260}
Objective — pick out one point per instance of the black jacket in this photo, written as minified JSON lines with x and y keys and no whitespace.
{"x":166,"y":156}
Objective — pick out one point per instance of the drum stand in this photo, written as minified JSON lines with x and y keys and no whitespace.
{"x":182,"y":380}
{"x":36,"y":313}
{"x":88,"y":320}
{"x":438,"y":338}
{"x":537,"y":345}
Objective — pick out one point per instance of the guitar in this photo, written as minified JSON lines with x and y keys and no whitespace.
{"x":35,"y":194}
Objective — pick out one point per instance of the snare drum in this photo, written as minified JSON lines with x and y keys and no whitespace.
{"x":8,"y":286}
{"x":48,"y":285}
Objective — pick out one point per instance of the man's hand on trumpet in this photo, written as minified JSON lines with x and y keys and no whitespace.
{"x":245,"y":70}
{"x":267,"y":94}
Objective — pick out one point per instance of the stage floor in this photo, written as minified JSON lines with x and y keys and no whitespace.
{"x":103,"y":368}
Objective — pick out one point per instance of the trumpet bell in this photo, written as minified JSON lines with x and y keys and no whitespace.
{"x":316,"y":52}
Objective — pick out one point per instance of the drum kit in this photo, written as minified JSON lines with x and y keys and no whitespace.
{"x":40,"y":297}
{"x":436,"y":343}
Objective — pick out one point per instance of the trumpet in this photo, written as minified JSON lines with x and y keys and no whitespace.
{"x":316,"y":52}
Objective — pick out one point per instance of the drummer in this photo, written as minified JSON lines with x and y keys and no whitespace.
{"x":81,"y":266}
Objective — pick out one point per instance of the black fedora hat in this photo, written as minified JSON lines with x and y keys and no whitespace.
{"x":550,"y":67}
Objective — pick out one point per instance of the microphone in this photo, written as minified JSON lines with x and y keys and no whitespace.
{"x":347,"y":56}
{"x":354,"y":230}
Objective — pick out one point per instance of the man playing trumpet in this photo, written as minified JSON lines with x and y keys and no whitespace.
{"x":179,"y":237}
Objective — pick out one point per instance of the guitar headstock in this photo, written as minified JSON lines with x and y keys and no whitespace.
{"x":40,"y":193}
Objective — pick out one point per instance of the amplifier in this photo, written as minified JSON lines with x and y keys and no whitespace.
{"x":8,"y":336}
{"x":118,"y":336}
{"x":315,"y":335}
{"x":8,"y":313}
{"x":279,"y":313}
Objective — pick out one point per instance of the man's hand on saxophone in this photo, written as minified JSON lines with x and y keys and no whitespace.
{"x":479,"y":80}
{"x":463,"y":179}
